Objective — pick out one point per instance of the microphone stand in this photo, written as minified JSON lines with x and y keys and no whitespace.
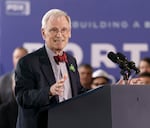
{"x":125,"y":72}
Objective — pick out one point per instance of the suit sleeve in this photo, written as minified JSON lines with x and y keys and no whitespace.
{"x":28,"y":90}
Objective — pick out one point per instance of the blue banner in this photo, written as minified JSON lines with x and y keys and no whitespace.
{"x":98,"y":27}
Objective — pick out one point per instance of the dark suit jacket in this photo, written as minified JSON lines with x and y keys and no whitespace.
{"x":8,"y":105}
{"x":34,"y":76}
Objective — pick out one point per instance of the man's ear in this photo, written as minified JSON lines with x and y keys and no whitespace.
{"x":43,"y":33}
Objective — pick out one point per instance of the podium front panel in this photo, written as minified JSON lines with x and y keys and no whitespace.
{"x":105,"y":107}
{"x":89,"y":110}
{"x":130,"y":106}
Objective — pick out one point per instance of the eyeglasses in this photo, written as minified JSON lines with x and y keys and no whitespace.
{"x":55,"y":31}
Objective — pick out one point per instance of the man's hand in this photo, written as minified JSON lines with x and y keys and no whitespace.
{"x":58,"y":87}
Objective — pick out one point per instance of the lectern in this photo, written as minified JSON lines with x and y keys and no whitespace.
{"x":105,"y":107}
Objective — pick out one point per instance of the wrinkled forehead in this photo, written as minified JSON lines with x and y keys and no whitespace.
{"x":58,"y":16}
{"x":58,"y":21}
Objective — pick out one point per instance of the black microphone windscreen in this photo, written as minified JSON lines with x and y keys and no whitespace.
{"x":112,"y":56}
{"x":131,"y":65}
{"x":121,"y":56}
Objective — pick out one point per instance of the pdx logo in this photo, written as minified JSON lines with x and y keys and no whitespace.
{"x":17,"y":7}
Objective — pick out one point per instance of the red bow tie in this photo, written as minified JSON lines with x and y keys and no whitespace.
{"x":62,"y":58}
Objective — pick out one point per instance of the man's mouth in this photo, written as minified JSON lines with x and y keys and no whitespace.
{"x":58,"y":40}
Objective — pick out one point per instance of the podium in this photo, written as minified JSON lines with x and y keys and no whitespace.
{"x":105,"y":107}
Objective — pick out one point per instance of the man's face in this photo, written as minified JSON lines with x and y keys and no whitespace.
{"x":56,"y":33}
{"x":144,"y":67}
{"x":17,"y":54}
{"x":85,"y":76}
{"x":99,"y":81}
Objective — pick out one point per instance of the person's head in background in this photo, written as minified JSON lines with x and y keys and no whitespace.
{"x":144,"y":65}
{"x":85,"y":72}
{"x":56,"y":30}
{"x":17,"y":54}
{"x":144,"y":78}
{"x":101,"y":78}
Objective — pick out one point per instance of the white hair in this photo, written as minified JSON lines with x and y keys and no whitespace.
{"x":54,"y":13}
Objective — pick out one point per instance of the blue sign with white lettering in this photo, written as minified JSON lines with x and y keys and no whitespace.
{"x":98,"y":27}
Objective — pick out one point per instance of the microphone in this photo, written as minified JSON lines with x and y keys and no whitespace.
{"x":113,"y":57}
{"x":130,"y":64}
{"x":118,"y":60}
{"x":122,"y":57}
{"x":122,"y":62}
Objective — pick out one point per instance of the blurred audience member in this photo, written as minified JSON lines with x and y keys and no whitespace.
{"x":144,"y":65}
{"x":85,"y":72}
{"x":144,"y":78}
{"x":100,"y":78}
{"x":8,"y":105}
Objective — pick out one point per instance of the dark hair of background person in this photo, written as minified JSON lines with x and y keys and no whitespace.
{"x":85,"y":72}
{"x":8,"y":105}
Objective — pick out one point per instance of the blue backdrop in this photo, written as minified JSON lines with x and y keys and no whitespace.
{"x":98,"y":27}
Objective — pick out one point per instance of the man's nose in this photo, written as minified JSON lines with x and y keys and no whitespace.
{"x":59,"y":33}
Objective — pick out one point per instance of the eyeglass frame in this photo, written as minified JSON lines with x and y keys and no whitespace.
{"x":55,"y":30}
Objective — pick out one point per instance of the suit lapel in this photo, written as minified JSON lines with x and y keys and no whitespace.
{"x":72,"y":75}
{"x":46,"y":68}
